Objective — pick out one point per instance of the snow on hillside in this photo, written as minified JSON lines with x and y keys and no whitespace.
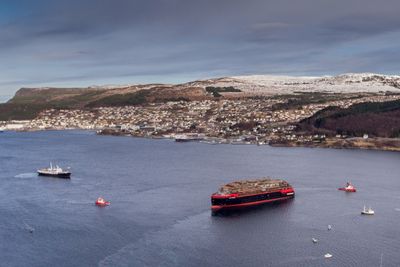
{"x":273,"y":85}
{"x":345,"y":83}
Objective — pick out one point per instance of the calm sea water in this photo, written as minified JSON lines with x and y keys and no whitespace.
{"x":160,"y":208}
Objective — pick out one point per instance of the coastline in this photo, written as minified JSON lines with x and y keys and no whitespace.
{"x":381,"y":144}
{"x":376,"y":143}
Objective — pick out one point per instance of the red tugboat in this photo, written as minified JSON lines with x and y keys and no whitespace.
{"x":247,"y":193}
{"x":348,"y":188}
{"x":101,"y":202}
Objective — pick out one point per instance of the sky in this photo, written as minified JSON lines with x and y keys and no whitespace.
{"x":95,"y":42}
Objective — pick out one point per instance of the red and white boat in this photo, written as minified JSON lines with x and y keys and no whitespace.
{"x":101,"y":202}
{"x":348,"y":188}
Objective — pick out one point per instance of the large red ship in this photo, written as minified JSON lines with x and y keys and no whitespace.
{"x":247,"y":193}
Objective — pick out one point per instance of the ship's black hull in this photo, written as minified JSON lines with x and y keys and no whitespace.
{"x":61,"y":175}
{"x":219,"y":204}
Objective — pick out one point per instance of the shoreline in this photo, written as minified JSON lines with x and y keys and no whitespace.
{"x":377,"y":143}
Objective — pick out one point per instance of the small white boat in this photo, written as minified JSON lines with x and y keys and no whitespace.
{"x":327,"y":256}
{"x":368,"y":211}
{"x":329,"y":227}
{"x":314,"y":240}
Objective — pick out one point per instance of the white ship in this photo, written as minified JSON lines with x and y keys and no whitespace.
{"x":54,"y":171}
{"x":368,"y":211}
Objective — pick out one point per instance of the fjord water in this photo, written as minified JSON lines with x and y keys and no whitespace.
{"x":160,"y":207}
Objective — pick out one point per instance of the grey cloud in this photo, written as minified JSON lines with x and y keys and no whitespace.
{"x":91,"y":40}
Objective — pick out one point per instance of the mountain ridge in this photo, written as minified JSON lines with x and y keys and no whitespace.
{"x":355,"y":82}
{"x":27,"y":102}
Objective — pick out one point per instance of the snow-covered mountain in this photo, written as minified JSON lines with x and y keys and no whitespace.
{"x":250,"y":85}
{"x":344,"y":83}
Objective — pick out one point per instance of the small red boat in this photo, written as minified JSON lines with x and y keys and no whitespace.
{"x":348,"y":188}
{"x":101,"y":202}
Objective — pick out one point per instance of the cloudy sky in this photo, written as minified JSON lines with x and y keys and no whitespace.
{"x":86,"y":42}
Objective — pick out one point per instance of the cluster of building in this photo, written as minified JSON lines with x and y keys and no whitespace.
{"x":224,"y":119}
{"x":241,"y":120}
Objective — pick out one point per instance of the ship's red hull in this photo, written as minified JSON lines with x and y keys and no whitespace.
{"x":234,"y":201}
{"x":102,"y":204}
{"x":347,"y":190}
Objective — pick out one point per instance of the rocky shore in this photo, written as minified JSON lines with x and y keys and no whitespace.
{"x":384,"y":144}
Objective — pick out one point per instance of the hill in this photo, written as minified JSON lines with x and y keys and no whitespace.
{"x":375,"y":119}
{"x":273,"y":85}
{"x":27,"y":102}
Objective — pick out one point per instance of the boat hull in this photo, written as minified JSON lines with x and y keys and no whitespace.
{"x":102,"y":204}
{"x":66,"y":175}
{"x":367,"y":213}
{"x":347,"y":190}
{"x":219,"y":203}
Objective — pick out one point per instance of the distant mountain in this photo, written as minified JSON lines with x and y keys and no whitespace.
{"x":27,"y":102}
{"x":55,"y":95}
{"x":96,"y":96}
{"x":255,"y":84}
{"x":345,"y":83}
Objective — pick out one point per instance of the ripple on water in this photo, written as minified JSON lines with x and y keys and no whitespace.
{"x":27,"y":175}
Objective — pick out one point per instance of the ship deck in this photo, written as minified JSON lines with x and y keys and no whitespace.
{"x":253,"y":187}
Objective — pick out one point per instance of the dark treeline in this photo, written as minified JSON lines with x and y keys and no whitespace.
{"x":376,"y":119}
{"x":215,"y":91}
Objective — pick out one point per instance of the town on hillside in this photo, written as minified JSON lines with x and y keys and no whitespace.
{"x":248,"y":120}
